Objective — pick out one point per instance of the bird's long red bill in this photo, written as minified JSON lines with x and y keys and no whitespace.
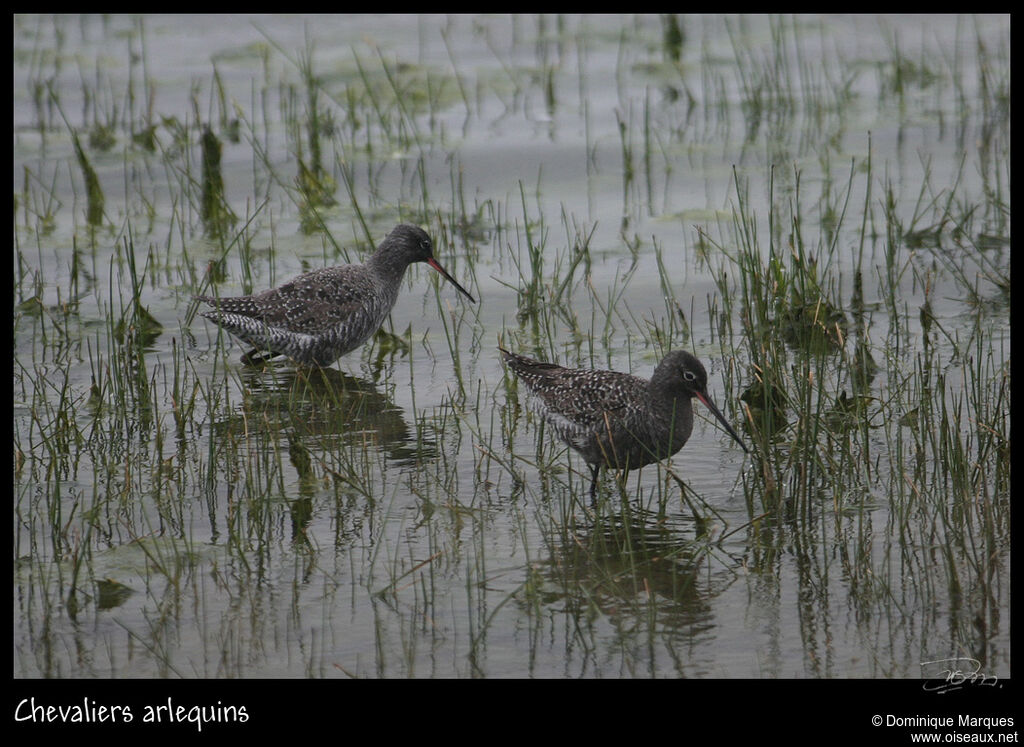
{"x":721,"y":418}
{"x":444,"y":273}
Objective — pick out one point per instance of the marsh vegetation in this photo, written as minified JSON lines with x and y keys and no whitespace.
{"x":817,"y":207}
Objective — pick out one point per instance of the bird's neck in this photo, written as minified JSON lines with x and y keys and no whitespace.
{"x":387,"y":265}
{"x":663,"y":390}
{"x":672,"y":407}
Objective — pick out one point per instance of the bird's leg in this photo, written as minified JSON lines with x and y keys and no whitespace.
{"x":594,"y":471}
{"x":620,"y":479}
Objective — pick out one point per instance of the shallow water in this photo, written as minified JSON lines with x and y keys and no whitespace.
{"x":363,"y":522}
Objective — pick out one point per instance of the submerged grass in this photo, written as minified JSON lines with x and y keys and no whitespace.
{"x":923,"y":431}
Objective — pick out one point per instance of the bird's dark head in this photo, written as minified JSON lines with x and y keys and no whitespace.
{"x":412,"y":242}
{"x":681,"y":374}
{"x":407,"y":244}
{"x":681,"y":370}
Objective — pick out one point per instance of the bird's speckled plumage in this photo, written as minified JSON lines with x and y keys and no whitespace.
{"x":614,"y":419}
{"x":324,"y":314}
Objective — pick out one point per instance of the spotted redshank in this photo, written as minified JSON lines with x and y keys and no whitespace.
{"x":321,"y":315}
{"x":614,"y":419}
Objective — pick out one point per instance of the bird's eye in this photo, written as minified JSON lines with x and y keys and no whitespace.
{"x":689,"y":375}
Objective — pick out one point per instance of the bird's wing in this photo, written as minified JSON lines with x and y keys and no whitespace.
{"x":606,"y":394}
{"x":309,"y":304}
